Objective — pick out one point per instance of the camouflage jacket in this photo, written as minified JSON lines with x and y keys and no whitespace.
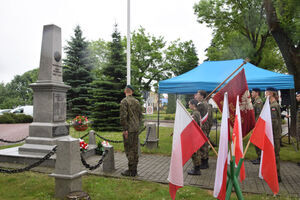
{"x":210,"y":115}
{"x":130,"y":114}
{"x":276,"y":119}
{"x":202,"y":107}
{"x":257,"y":105}
{"x":196,"y":116}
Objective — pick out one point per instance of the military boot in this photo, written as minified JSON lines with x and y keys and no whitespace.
{"x":195,"y":171}
{"x":134,"y":173}
{"x":204,"y":164}
{"x":256,"y":161}
{"x":126,"y":173}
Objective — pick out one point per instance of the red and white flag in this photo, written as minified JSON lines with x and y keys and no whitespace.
{"x":187,"y":139}
{"x":221,"y":171}
{"x":262,"y":137}
{"x":238,"y":86}
{"x":238,"y":138}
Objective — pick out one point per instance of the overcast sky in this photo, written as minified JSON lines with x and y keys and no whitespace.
{"x":21,"y":25}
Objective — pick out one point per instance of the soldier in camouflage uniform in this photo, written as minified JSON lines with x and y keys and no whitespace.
{"x":196,"y":156}
{"x":210,"y":116}
{"x":276,"y":125}
{"x":257,"y":105}
{"x":130,"y":118}
{"x":203,"y":108}
{"x":298,"y":116}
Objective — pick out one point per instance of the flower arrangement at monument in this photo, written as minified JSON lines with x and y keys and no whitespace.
{"x":83,"y":145}
{"x":80,"y":123}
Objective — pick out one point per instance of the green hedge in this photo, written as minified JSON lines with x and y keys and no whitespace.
{"x":10,"y":118}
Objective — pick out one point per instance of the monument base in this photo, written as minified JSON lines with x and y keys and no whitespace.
{"x":30,"y":154}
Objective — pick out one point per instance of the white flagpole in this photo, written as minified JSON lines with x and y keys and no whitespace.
{"x":128,"y":43}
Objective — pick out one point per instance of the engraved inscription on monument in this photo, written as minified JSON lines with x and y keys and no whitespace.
{"x":56,"y":70}
{"x":59,"y":106}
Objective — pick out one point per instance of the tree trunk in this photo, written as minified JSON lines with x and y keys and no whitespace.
{"x":289,"y":52}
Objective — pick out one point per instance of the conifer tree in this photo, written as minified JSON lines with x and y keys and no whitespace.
{"x":77,"y":74}
{"x":108,"y":89}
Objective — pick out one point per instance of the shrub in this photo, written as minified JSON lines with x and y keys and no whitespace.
{"x":22,"y":118}
{"x":7,"y":118}
{"x":169,"y":117}
{"x":10,"y":118}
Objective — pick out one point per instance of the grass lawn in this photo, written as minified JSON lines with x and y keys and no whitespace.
{"x":30,"y":185}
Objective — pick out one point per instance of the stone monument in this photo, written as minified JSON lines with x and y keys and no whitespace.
{"x":49,"y":106}
{"x":49,"y":97}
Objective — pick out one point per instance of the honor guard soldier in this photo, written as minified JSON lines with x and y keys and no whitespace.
{"x":276,"y":124}
{"x":257,"y":105}
{"x":196,"y":157}
{"x":203,"y":108}
{"x":130,"y":119}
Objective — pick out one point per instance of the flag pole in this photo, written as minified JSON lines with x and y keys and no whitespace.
{"x":246,"y":148}
{"x":244,"y":62}
{"x":128,"y":44}
{"x":212,"y":148}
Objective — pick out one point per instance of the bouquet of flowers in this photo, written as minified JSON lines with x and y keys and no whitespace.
{"x":80,"y":123}
{"x":83,"y":145}
{"x":80,"y":120}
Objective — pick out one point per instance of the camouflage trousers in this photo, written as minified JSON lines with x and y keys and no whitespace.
{"x":204,"y":148}
{"x":277,"y":150}
{"x":131,"y":150}
{"x":196,"y":158}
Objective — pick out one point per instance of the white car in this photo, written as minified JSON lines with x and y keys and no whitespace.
{"x":4,"y":111}
{"x":27,"y":110}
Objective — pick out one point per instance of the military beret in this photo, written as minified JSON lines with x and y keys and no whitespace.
{"x":130,"y":87}
{"x":297,"y":93}
{"x":256,"y":89}
{"x":271,"y":89}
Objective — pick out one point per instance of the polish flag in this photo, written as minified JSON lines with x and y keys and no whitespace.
{"x":221,"y":171}
{"x":187,"y":139}
{"x":262,"y":137}
{"x":237,"y":137}
{"x":204,"y":119}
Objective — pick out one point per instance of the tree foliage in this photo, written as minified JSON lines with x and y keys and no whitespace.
{"x":77,"y":73}
{"x":181,"y":57}
{"x":153,"y":59}
{"x":99,"y":52}
{"x":236,"y":23}
{"x":107,"y":90}
{"x":17,"y":92}
{"x":147,"y":61}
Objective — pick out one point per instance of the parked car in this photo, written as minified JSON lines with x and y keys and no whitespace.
{"x":4,"y":111}
{"x":27,"y":110}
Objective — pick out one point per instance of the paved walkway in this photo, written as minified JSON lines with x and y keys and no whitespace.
{"x":13,"y":132}
{"x":155,"y":168}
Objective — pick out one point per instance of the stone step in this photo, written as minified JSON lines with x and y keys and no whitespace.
{"x":43,"y":141}
{"x":35,"y":148}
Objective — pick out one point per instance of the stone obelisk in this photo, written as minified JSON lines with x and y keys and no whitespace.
{"x":49,"y":97}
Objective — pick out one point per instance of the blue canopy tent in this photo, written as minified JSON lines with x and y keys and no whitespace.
{"x":210,"y":74}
